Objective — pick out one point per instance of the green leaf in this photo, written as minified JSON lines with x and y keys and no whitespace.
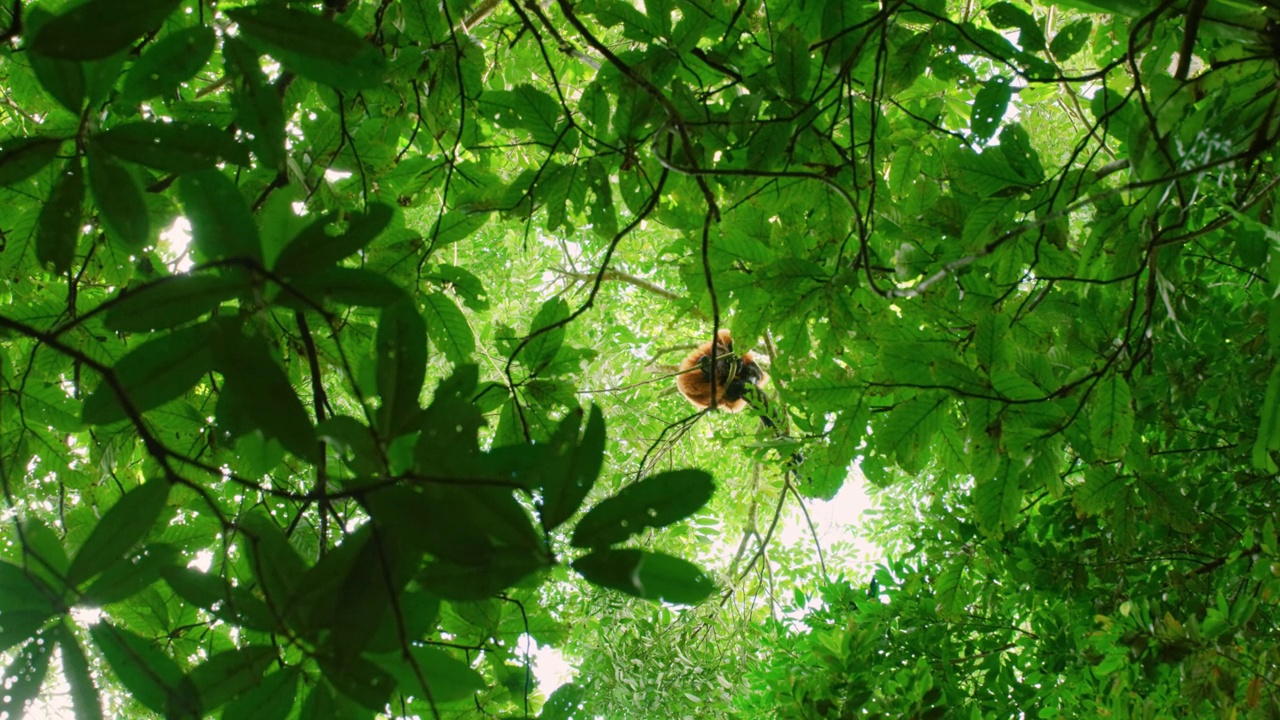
{"x":119,"y":198}
{"x":984,"y":174}
{"x":563,"y":492}
{"x":221,"y":225}
{"x":949,"y":588}
{"x":1006,"y":15}
{"x":654,"y":502}
{"x":344,"y":286}
{"x":167,"y":63}
{"x":172,"y":301}
{"x":565,"y":703}
{"x":524,"y":108}
{"x":594,"y":106}
{"x":63,"y":79}
{"x":230,"y":673}
{"x":151,"y":677}
{"x":401,"y":346}
{"x":455,"y":225}
{"x":989,"y":106}
{"x":213,"y":593}
{"x":998,"y":499}
{"x":1268,"y":437}
{"x":1071,"y":39}
{"x":464,"y":284}
{"x":477,"y":581}
{"x":98,"y":28}
{"x":126,"y":578}
{"x":646,"y":575}
{"x":448,"y":328}
{"x":75,"y":668}
{"x":312,"y":46}
{"x":447,"y":678}
{"x":1111,"y":418}
{"x":791,"y":61}
{"x":276,"y":565}
{"x":314,"y":249}
{"x":20,"y":591}
{"x":360,"y":680}
{"x":991,"y":342}
{"x":23,"y":677}
{"x":175,"y":147}
{"x":272,"y":700}
{"x":256,"y":102}
{"x":20,"y":626}
{"x":1100,"y":491}
{"x":152,"y":374}
{"x":22,"y":157}
{"x":126,"y":523}
{"x":542,"y":348}
{"x":58,"y":229}
{"x":257,"y":394}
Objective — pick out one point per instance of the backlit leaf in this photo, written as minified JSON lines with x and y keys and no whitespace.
{"x":651,"y":576}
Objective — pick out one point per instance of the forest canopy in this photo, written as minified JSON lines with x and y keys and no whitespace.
{"x":339,"y":343}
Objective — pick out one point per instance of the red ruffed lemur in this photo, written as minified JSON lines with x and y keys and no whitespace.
{"x":737,"y":377}
{"x":737,"y":384}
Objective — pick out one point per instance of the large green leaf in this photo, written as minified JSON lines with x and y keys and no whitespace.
{"x":312,"y":46}
{"x":124,"y":579}
{"x":221,"y":225}
{"x":97,"y":28}
{"x":574,"y":470}
{"x":271,"y":700}
{"x":58,"y":230}
{"x":654,"y":502}
{"x":448,"y":328}
{"x":401,"y":345}
{"x":989,"y":106}
{"x":230,"y":673}
{"x":524,"y":108}
{"x":257,"y":394}
{"x":119,"y":530}
{"x":172,"y":301}
{"x":155,"y":372}
{"x":1111,"y":418}
{"x":119,"y":198}
{"x":167,"y":63}
{"x":150,"y":675}
{"x":22,"y":157}
{"x":172,"y":147}
{"x":651,"y":576}
{"x":315,"y":249}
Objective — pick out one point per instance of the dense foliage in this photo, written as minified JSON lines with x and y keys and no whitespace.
{"x":337,"y":337}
